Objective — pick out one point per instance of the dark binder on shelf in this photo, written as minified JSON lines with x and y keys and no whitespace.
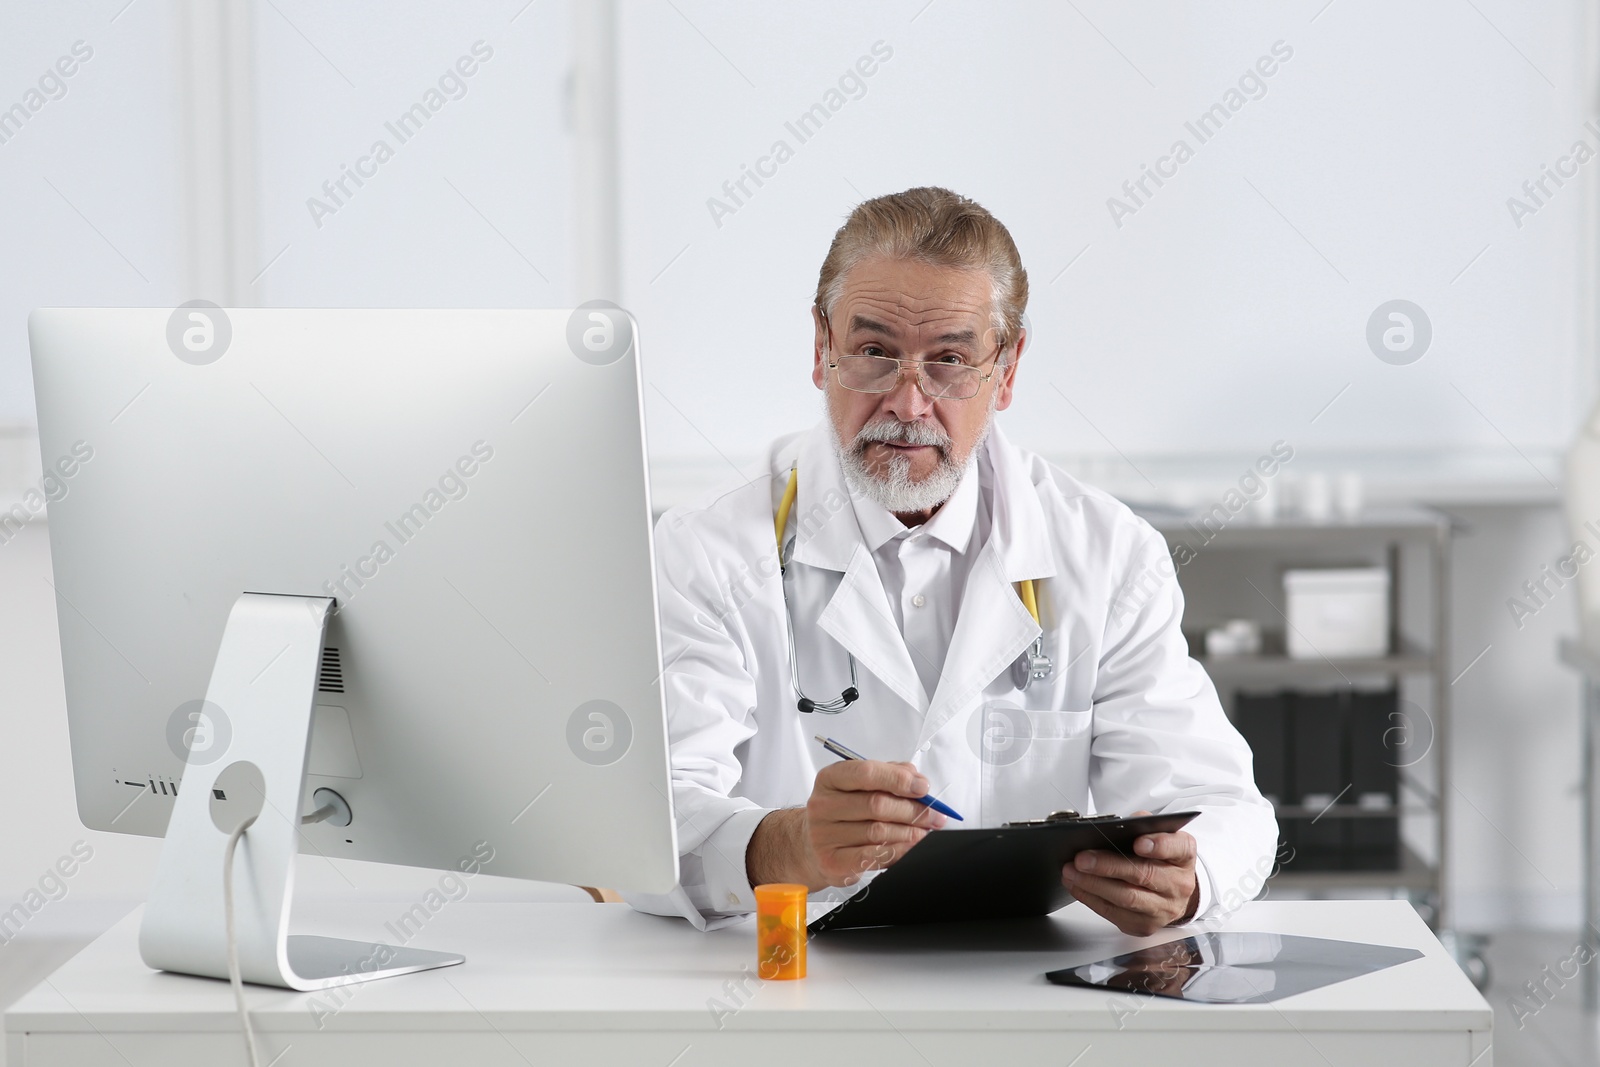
{"x":1318,"y":776}
{"x":1375,"y":780}
{"x":1263,"y":720}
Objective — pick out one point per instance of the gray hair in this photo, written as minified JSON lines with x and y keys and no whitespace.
{"x":935,"y":226}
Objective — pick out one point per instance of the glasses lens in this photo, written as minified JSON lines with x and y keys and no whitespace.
{"x":951,"y":381}
{"x":868,"y":374}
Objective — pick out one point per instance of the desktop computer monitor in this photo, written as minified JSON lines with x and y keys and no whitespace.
{"x":394,"y":566}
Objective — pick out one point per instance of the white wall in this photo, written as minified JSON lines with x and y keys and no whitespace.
{"x":90,"y":181}
{"x":472,"y":211}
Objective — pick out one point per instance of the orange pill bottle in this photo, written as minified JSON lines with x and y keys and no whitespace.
{"x":780,"y":931}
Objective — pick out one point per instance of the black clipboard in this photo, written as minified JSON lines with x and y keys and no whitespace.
{"x":1004,"y":872}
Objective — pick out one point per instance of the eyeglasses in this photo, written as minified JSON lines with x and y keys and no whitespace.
{"x":862,"y":373}
{"x":880,"y":374}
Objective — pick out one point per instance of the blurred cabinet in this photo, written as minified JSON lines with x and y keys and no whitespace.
{"x":1352,"y":751}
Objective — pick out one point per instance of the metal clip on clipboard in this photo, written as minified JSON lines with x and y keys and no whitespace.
{"x":1065,"y":815}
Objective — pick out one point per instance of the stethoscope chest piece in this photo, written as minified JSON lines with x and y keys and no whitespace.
{"x":1032,"y":666}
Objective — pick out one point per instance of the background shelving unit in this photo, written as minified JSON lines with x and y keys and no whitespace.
{"x":1236,"y":572}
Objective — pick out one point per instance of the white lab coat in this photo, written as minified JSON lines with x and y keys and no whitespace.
{"x":1127,"y":720}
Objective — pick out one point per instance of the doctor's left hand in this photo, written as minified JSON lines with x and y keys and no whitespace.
{"x":1139,"y":895}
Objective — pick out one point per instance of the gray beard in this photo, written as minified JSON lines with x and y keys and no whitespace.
{"x":896,"y":491}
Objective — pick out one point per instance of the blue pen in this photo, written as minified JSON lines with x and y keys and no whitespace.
{"x":937,"y":805}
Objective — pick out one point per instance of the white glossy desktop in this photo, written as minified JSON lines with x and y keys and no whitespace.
{"x":601,"y":984}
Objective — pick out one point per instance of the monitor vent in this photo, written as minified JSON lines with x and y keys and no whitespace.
{"x":330,"y":676}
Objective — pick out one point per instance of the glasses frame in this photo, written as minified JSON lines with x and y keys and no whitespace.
{"x":904,"y":364}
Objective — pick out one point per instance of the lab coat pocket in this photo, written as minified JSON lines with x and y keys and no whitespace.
{"x":1033,"y":761}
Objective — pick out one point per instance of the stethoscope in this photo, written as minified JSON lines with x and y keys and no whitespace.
{"x":1032,"y":666}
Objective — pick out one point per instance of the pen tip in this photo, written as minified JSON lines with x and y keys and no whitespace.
{"x":822,"y":739}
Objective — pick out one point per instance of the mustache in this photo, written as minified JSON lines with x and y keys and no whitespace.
{"x":894,"y":431}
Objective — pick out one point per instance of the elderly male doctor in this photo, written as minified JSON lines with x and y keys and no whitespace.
{"x":914,"y":527}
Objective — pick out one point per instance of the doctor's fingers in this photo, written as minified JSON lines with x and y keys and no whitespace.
{"x":1177,"y":847}
{"x":853,"y":807}
{"x":1147,"y":873}
{"x":848,"y":848}
{"x":1158,"y":899}
{"x":1136,"y":922}
{"x":1167,"y":885}
{"x":874,"y":775}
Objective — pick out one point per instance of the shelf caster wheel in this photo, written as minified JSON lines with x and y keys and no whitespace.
{"x":1477,"y":969}
{"x":1467,"y":951}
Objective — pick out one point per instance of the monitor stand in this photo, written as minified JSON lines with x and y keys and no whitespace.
{"x":264,"y":682}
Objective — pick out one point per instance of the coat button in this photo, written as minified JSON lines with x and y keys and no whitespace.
{"x":918,"y":600}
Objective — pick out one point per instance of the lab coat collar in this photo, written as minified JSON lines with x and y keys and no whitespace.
{"x":992,"y":625}
{"x":827,"y":535}
{"x":858,"y":617}
{"x":823,"y":523}
{"x":1019,"y":530}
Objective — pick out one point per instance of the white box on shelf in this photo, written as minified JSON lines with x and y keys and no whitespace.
{"x":1337,"y":613}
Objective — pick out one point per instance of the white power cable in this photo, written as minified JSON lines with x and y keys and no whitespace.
{"x":322,"y":814}
{"x":233,"y":944}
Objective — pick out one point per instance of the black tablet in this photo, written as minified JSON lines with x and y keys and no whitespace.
{"x":1006,"y":872}
{"x":1234,"y":967}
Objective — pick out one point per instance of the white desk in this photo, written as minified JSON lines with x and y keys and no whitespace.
{"x":600,"y":984}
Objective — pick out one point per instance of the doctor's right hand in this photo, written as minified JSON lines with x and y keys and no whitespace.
{"x":863,"y":815}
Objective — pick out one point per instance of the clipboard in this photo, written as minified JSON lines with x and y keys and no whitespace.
{"x":1005,"y":872}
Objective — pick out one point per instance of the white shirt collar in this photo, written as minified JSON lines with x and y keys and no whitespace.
{"x":952,"y":523}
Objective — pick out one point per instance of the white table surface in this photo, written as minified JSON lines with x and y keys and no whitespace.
{"x":597,"y":983}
